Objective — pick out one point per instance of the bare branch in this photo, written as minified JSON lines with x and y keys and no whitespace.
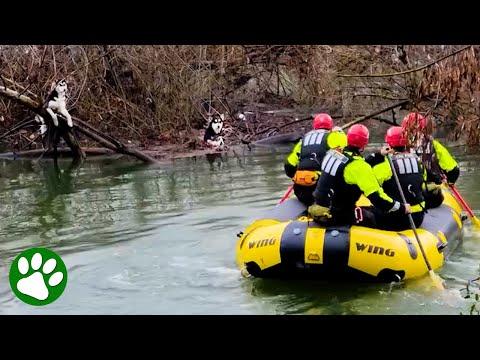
{"x":406,"y":71}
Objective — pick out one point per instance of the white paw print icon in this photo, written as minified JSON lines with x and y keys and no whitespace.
{"x":35,"y":285}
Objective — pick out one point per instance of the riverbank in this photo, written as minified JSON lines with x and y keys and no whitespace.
{"x":260,"y":125}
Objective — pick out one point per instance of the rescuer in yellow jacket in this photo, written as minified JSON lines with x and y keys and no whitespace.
{"x":411,"y":175}
{"x":436,"y":159}
{"x":302,"y":165}
{"x":345,"y":176}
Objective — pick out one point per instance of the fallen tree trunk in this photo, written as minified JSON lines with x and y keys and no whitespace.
{"x":54,"y":133}
{"x":19,"y":98}
{"x":112,"y":140}
{"x":279,"y":139}
{"x":122,"y":149}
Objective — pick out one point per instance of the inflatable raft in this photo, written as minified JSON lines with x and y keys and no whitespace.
{"x":286,"y":243}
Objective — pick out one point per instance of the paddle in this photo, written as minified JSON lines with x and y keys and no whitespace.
{"x":461,"y":200}
{"x":435,"y":278}
{"x":287,"y":194}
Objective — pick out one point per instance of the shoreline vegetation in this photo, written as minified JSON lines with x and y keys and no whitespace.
{"x":154,"y":102}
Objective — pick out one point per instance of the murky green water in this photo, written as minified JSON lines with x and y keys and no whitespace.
{"x":140,"y":240}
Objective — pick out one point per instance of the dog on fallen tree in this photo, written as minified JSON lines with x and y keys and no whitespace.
{"x":213,"y":132}
{"x":57,"y":104}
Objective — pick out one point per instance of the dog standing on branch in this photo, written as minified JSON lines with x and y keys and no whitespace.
{"x":57,"y":103}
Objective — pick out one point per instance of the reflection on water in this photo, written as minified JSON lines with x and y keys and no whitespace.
{"x":147,"y":240}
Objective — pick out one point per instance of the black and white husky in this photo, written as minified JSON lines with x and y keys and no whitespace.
{"x":213,"y":132}
{"x":57,"y":104}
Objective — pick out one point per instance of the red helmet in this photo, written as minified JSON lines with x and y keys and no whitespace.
{"x":357,"y":136}
{"x":322,"y":121}
{"x":414,"y":121}
{"x":395,"y":137}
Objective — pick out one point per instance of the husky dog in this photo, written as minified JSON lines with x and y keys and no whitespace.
{"x":212,"y":133}
{"x":57,"y":103}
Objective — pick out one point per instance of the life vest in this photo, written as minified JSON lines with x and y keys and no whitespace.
{"x":429,"y":157}
{"x":410,"y":174}
{"x":332,"y":191}
{"x":314,"y":146}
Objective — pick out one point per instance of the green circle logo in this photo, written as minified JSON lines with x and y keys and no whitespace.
{"x":38,"y":276}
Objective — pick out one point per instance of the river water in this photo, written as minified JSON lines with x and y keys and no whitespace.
{"x":143,"y":240}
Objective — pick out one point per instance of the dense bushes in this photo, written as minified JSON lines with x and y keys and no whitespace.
{"x":151,"y":93}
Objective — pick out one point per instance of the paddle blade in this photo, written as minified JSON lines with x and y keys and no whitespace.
{"x":437,"y":280}
{"x":476,"y":222}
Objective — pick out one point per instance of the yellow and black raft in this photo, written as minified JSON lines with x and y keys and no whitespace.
{"x":286,"y":243}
